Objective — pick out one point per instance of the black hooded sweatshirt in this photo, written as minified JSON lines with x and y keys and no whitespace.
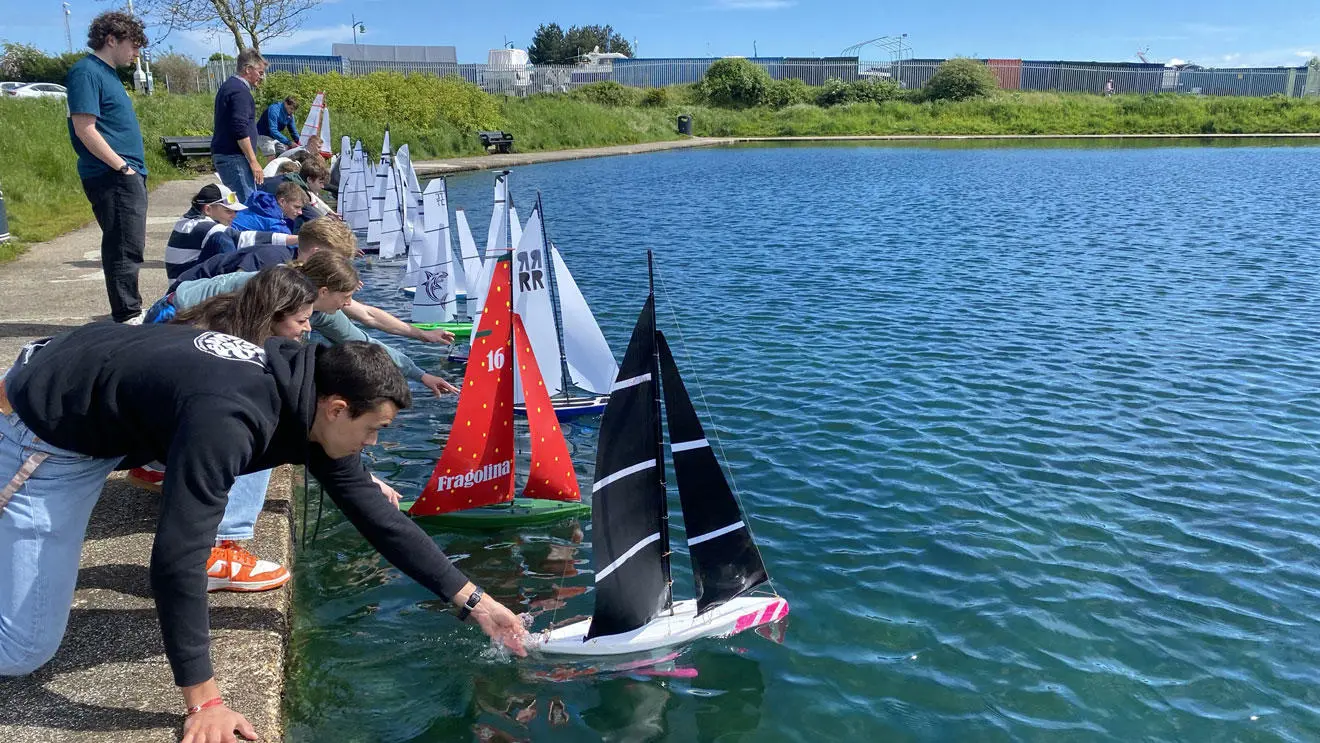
{"x":211,"y":407}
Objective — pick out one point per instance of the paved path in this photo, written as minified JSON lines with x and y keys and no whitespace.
{"x":429,"y":168}
{"x":110,"y":679}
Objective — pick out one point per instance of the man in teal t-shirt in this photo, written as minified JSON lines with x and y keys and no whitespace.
{"x":111,"y":159}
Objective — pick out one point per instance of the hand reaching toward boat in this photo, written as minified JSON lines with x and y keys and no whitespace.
{"x":438,"y":385}
{"x":501,"y":625}
{"x":435,"y":336}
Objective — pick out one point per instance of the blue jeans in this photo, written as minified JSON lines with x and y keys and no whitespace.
{"x":246,"y":498}
{"x":46,"y":497}
{"x":236,"y":174}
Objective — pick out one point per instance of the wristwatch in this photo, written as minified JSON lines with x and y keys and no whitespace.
{"x":125,"y":170}
{"x":470,"y":604}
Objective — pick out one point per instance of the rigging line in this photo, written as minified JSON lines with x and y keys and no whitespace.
{"x":724,"y":458}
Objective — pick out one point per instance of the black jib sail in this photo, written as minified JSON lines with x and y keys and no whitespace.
{"x":725,"y":561}
{"x":629,"y":533}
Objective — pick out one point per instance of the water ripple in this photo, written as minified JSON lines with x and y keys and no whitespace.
{"x":1027,"y":436}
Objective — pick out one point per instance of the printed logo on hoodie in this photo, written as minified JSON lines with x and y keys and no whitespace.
{"x":231,"y":348}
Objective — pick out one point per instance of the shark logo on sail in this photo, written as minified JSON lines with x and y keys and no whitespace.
{"x":474,"y":477}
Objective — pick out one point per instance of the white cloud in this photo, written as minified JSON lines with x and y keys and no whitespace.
{"x":1174,"y":61}
{"x":311,"y":40}
{"x":1304,"y":54}
{"x":753,"y":4}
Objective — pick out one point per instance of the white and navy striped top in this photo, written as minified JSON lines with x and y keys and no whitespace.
{"x":197,"y":237}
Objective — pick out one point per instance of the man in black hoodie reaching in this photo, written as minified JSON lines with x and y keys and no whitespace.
{"x":212,"y":407}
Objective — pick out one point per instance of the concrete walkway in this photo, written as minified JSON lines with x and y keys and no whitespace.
{"x":110,"y":679}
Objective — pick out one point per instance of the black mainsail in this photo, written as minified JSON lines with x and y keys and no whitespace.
{"x":629,"y":536}
{"x":725,"y":561}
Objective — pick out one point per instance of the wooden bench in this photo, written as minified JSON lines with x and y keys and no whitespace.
{"x":501,"y":141}
{"x":179,"y":149}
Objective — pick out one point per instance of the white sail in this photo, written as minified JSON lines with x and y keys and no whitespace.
{"x":532,"y":301}
{"x":515,"y":228}
{"x":494,"y":245}
{"x":379,"y":190}
{"x":345,"y":154}
{"x":312,"y":125}
{"x":591,"y":364}
{"x":391,"y":205}
{"x":355,"y":213}
{"x":436,"y":295}
{"x":471,"y":259}
{"x":410,"y":197}
{"x":325,"y":132}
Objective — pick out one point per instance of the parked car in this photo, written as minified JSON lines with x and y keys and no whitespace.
{"x":37,"y":90}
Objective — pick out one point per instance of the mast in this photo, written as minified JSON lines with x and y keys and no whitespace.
{"x":547,"y":248}
{"x":660,"y":449}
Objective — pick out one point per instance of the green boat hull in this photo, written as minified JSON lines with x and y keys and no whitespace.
{"x":520,"y":512}
{"x":461,"y":330}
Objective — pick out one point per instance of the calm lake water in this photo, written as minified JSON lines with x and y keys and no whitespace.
{"x":1028,"y":438}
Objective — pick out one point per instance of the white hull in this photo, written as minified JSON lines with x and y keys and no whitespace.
{"x":680,"y":627}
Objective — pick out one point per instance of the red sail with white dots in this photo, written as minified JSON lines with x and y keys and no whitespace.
{"x":476,"y":468}
{"x":551,"y":476}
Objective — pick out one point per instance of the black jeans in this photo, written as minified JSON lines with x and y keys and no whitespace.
{"x":120,"y":204}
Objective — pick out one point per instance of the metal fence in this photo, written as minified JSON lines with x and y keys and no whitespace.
{"x":1011,"y":74}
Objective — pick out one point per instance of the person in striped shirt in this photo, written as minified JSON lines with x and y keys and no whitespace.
{"x":205,"y":231}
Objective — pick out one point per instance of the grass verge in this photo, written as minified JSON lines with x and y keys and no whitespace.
{"x":45,"y":199}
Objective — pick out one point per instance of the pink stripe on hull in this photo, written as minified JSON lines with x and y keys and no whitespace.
{"x":768,"y":613}
{"x":783,"y":611}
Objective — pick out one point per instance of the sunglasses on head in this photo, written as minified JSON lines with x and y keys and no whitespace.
{"x":229,"y":198}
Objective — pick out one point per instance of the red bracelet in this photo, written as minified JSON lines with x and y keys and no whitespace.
{"x":205,"y":705}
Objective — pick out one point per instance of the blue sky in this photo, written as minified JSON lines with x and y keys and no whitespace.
{"x":1210,"y":32}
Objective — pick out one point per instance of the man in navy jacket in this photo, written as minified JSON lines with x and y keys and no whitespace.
{"x":277,"y":119}
{"x":232,"y":144}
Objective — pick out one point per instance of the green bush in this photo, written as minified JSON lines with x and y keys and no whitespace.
{"x":609,"y":93}
{"x":735,"y":83}
{"x":785,"y":93}
{"x":836,"y":92}
{"x":959,"y":79}
{"x":415,"y":100}
{"x":656,"y":97}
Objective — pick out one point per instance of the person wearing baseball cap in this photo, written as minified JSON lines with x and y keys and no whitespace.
{"x":205,"y":231}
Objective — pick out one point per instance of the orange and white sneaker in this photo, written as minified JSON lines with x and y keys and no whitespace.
{"x":232,"y":568}
{"x":146,"y":478}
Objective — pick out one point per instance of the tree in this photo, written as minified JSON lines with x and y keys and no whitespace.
{"x":581,"y":39}
{"x":735,"y":83}
{"x":251,"y":22}
{"x":547,"y":45}
{"x":177,"y":72}
{"x":551,"y":45}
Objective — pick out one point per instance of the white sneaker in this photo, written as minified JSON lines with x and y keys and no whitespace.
{"x":135,"y":320}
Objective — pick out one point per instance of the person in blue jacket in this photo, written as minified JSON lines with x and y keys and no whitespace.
{"x":267,"y":213}
{"x":278,"y":118}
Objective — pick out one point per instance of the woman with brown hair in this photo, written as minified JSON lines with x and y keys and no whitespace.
{"x":276,"y":301}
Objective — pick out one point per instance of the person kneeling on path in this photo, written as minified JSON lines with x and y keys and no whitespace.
{"x":80,"y":405}
{"x":278,"y":116}
{"x":204,"y":231}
